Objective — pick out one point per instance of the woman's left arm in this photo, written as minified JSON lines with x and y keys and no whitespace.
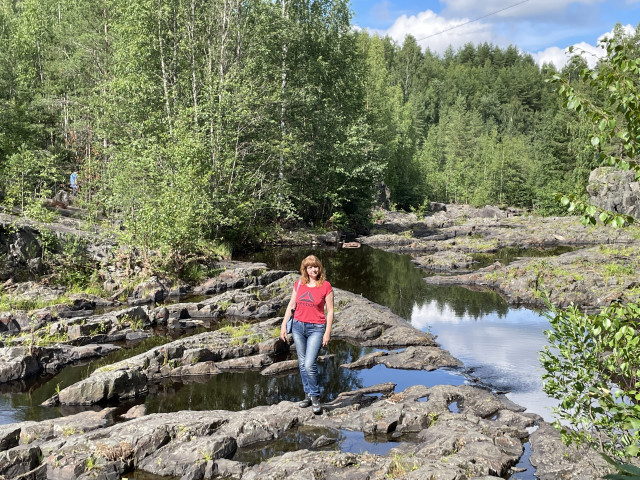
{"x":327,"y":333}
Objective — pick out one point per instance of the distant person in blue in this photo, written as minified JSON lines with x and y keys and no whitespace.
{"x":73,"y":180}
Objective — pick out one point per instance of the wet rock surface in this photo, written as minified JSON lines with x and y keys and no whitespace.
{"x":18,"y":363}
{"x":359,"y":321}
{"x":482,"y":440}
{"x":47,"y":339}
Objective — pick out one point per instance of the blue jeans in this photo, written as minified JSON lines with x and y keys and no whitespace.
{"x":308,"y":340}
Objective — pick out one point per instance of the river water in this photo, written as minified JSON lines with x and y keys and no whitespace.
{"x":498,"y":345}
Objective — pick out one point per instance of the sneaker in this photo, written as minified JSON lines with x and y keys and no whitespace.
{"x":306,"y":402}
{"x":317,"y":408}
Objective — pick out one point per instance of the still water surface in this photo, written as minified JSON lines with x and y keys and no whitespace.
{"x":497,"y":344}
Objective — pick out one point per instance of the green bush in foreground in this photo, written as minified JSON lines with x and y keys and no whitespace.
{"x":592,"y":365}
{"x":593,"y":368}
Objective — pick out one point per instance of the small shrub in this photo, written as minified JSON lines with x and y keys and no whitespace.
{"x":593,"y":368}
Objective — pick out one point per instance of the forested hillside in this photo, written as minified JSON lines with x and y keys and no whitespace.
{"x":191,"y":120}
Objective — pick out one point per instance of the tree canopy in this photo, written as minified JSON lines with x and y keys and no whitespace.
{"x":223,"y":120}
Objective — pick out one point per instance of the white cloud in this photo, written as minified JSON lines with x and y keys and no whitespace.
{"x":427,"y":26}
{"x":555,"y":55}
{"x":437,"y":33}
{"x":560,"y":56}
{"x":591,"y":53}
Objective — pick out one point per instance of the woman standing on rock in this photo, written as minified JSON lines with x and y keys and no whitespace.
{"x":311,"y":327}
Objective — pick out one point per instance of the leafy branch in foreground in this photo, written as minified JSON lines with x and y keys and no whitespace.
{"x":613,"y":111}
{"x":589,"y":212}
{"x":617,"y":136}
{"x":593,"y":368}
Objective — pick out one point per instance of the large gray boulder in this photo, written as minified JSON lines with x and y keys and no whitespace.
{"x":553,"y":459}
{"x":17,"y":363}
{"x":615,"y":190}
{"x":117,"y":384}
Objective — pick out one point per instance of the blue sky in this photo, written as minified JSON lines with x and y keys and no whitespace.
{"x":543,"y":28}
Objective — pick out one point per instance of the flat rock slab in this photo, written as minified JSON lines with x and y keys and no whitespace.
{"x":579,"y":277}
{"x":462,"y":226}
{"x":420,"y":358}
{"x":368,"y":324}
{"x":446,"y":261}
{"x":18,"y":363}
{"x":412,"y":358}
{"x":554,"y":460}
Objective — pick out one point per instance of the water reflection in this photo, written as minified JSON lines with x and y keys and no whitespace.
{"x":497,"y":344}
{"x":357,"y":442}
{"x":385,"y":278}
{"x":20,"y":401}
{"x":241,"y":391}
{"x":525,"y":463}
{"x":500,"y":349}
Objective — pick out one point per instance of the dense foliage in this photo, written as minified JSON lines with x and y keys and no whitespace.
{"x":593,"y":370}
{"x":614,"y":110}
{"x":593,"y":366}
{"x":220,"y":119}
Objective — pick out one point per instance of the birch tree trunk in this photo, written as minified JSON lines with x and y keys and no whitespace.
{"x":283,"y":89}
{"x":163,"y":67}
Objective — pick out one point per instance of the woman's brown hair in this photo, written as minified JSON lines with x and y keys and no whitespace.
{"x":312,"y":261}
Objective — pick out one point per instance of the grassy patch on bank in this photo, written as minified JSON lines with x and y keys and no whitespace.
{"x":600,"y":267}
{"x":15,"y":302}
{"x":242,"y":333}
{"x":39,"y":338}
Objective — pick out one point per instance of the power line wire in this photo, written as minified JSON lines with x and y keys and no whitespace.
{"x":471,"y":21}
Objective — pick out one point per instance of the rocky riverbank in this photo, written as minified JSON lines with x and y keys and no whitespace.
{"x":602,"y":268}
{"x":481,"y":438}
{"x":446,"y":432}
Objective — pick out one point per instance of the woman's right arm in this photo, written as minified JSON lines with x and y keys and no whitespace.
{"x":291,"y":306}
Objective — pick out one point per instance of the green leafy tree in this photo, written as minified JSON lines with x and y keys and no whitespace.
{"x":334,"y":168}
{"x":594,"y":370}
{"x":616,"y":136}
{"x":593,"y":366}
{"x":27,"y":179}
